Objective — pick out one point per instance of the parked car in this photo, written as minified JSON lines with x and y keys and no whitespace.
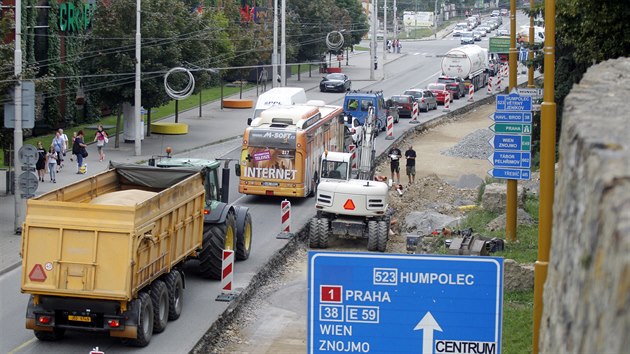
{"x":484,"y":28}
{"x":504,"y":12}
{"x":355,"y":128}
{"x":335,"y":82}
{"x":454,"y":85}
{"x":425,"y":98}
{"x":439,"y":91}
{"x":477,"y":35}
{"x":404,"y":103}
{"x":467,"y":38}
{"x":495,"y":13}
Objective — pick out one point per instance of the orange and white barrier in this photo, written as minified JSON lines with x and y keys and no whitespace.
{"x":285,"y":214}
{"x":471,"y":93}
{"x":352,"y":149}
{"x":489,"y":85}
{"x":414,"y":114}
{"x":227,"y":277}
{"x":447,"y":103}
{"x":390,"y":128}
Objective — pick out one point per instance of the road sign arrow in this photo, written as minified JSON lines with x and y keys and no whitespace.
{"x":428,"y":324}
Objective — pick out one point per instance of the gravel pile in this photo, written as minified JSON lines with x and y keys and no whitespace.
{"x":472,"y":146}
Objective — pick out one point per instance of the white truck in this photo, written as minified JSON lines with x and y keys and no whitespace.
{"x":350,"y":203}
{"x":469,"y":62}
{"x":278,"y":96}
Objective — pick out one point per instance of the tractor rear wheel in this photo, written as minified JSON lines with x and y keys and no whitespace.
{"x":216,"y":238}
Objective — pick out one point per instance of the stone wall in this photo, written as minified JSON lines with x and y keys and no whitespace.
{"x":587,"y":293}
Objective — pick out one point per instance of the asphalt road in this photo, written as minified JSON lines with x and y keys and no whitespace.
{"x":419,"y":67}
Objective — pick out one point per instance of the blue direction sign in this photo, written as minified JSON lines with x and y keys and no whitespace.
{"x":511,"y":159}
{"x":384,"y":303}
{"x":513,"y":102}
{"x":510,"y":173}
{"x":501,"y":142}
{"x":512,"y":117}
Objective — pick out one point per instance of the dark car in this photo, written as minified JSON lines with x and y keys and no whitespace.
{"x":335,"y":82}
{"x":454,"y":85}
{"x":404,"y":103}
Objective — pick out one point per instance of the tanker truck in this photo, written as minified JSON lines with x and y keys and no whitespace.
{"x":469,"y":62}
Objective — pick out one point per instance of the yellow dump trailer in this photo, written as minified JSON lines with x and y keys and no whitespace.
{"x":104,"y":253}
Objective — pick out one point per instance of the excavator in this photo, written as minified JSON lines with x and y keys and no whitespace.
{"x":350,"y":203}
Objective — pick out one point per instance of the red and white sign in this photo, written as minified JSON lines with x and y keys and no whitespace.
{"x":37,"y":273}
{"x":414,"y":113}
{"x":227,"y":271}
{"x":471,"y":93}
{"x":330,"y":293}
{"x":353,"y":150}
{"x":390,"y":128}
{"x":285,"y":215}
{"x":490,"y":85}
{"x":447,"y":103}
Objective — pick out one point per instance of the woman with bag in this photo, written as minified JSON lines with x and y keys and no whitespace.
{"x":40,"y":165}
{"x":101,"y":139}
{"x":78,"y":148}
{"x":58,"y":145}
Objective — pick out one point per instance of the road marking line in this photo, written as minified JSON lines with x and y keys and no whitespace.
{"x":418,"y":85}
{"x":22,"y":346}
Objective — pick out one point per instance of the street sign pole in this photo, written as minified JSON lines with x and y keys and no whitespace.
{"x":510,"y":217}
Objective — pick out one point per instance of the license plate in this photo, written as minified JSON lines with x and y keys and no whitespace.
{"x":270,"y":184}
{"x":80,"y":318}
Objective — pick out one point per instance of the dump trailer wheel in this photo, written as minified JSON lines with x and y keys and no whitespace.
{"x":244,"y":242}
{"x":175,"y":284}
{"x":145,"y":322}
{"x":159,"y":297}
{"x":323,"y":232}
{"x":372,"y":235}
{"x":313,"y":233}
{"x":383,"y":235}
{"x":216,"y":238}
{"x":56,"y":334}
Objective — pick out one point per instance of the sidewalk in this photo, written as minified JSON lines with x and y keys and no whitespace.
{"x":215,"y":125}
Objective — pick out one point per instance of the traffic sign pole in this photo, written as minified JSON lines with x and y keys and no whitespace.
{"x":511,"y":208}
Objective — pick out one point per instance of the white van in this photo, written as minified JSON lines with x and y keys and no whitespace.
{"x":278,"y":96}
{"x":539,"y":34}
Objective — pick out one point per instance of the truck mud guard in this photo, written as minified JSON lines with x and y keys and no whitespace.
{"x":217,"y":215}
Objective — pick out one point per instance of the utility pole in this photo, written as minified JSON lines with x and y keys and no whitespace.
{"x":137,"y":94}
{"x":283,"y":46}
{"x":17,"y":130}
{"x":395,"y":22}
{"x":373,"y":41}
{"x":510,"y":215}
{"x":435,"y":20}
{"x":547,"y":164}
{"x":530,"y":55}
{"x":274,"y":55}
{"x":384,"y":36}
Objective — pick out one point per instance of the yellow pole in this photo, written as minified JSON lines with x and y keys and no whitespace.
{"x":530,"y":55}
{"x":547,"y":163}
{"x":510,"y":217}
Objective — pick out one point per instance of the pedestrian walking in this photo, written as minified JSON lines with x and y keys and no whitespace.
{"x":398,"y":47}
{"x":410,"y":155}
{"x":101,"y":139}
{"x":58,"y":145}
{"x":40,"y":165}
{"x":375,"y":63}
{"x":64,"y":138}
{"x":394,"y":163}
{"x":51,"y":159}
{"x":79,"y":149}
{"x":74,"y":136}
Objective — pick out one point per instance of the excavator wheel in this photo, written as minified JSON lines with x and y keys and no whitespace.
{"x":383,"y":235}
{"x":372,"y":235}
{"x":313,"y":233}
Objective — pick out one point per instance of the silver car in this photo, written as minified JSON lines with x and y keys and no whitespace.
{"x":425,"y":98}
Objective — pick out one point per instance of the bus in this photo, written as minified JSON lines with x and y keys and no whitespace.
{"x":282,"y":148}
